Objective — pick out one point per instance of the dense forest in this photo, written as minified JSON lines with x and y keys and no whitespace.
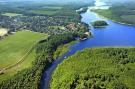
{"x":99,"y":23}
{"x":97,"y":68}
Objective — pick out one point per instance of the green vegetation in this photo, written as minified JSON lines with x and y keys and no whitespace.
{"x":30,"y":77}
{"x":62,"y":49}
{"x":97,"y":68}
{"x":124,"y":13}
{"x":12,"y":14}
{"x":63,"y":27}
{"x":17,"y":53}
{"x":44,"y":12}
{"x":99,"y":23}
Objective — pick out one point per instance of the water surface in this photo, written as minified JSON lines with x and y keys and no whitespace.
{"x":113,"y":35}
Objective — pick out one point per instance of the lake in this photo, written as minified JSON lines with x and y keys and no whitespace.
{"x":114,"y":35}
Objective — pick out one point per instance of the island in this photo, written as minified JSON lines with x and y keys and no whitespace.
{"x":99,"y":23}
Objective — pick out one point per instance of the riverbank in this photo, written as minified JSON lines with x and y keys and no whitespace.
{"x":102,"y":38}
{"x":112,"y":19}
{"x":62,"y":49}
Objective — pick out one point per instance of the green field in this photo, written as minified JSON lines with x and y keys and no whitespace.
{"x":52,"y":7}
{"x":44,"y":12}
{"x":12,"y":14}
{"x":103,"y":68}
{"x":17,"y":53}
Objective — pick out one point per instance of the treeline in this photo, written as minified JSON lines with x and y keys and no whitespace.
{"x":30,"y":78}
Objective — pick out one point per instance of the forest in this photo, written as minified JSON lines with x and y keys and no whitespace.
{"x":97,"y":68}
{"x":99,"y":23}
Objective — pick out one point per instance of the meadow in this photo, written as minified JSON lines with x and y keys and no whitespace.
{"x":17,"y":52}
{"x":11,"y":14}
{"x":102,"y":68}
{"x":46,"y":10}
{"x":43,"y":12}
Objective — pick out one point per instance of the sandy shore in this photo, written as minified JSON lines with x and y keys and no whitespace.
{"x":3,"y":31}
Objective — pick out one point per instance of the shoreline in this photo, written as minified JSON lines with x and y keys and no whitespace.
{"x":113,"y":20}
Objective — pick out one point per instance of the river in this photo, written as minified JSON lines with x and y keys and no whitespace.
{"x":116,"y":35}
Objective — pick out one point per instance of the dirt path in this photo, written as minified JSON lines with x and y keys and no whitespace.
{"x":20,"y":60}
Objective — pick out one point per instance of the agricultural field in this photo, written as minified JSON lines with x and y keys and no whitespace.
{"x":17,"y":52}
{"x":103,"y":68}
{"x":11,"y":14}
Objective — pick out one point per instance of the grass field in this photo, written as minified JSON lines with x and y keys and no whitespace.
{"x":11,"y":14}
{"x":44,"y":12}
{"x":17,"y":47}
{"x":104,"y":68}
{"x":52,"y":7}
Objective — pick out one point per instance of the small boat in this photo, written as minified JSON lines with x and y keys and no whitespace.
{"x":84,"y":39}
{"x":65,"y":57}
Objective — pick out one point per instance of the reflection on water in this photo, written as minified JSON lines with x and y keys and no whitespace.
{"x":100,"y":4}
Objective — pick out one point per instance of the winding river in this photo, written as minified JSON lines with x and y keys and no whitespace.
{"x":115,"y":34}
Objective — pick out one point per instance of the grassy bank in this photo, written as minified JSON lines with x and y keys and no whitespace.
{"x":103,"y":68}
{"x":62,"y":49}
